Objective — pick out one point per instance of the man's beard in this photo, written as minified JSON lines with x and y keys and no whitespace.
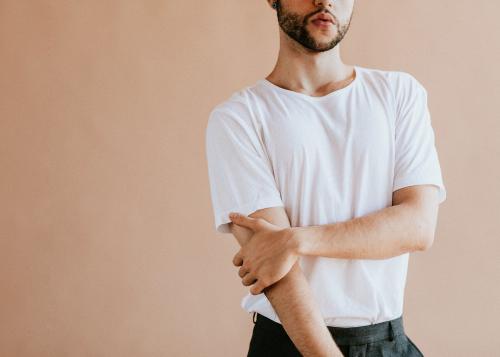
{"x":295,"y":27}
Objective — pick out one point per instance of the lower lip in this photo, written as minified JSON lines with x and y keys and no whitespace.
{"x":322,"y":24}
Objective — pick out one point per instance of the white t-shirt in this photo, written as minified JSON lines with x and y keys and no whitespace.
{"x":326,"y":159}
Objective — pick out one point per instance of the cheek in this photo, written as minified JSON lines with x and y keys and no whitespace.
{"x":343,"y":10}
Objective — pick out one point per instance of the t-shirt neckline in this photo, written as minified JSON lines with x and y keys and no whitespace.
{"x":311,"y":98}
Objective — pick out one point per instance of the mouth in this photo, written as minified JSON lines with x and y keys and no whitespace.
{"x":322,"y":20}
{"x":327,"y":17}
{"x":322,"y":23}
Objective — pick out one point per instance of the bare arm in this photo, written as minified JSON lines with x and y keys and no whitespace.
{"x":292,"y":298}
{"x":408,"y":225}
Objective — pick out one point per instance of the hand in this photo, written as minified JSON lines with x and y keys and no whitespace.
{"x":268,"y":256}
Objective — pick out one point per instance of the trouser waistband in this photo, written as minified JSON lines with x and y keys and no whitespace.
{"x":350,"y":335}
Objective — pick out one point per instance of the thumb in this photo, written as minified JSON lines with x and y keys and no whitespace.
{"x":243,"y":220}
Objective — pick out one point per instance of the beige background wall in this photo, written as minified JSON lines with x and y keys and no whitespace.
{"x":107,"y":245}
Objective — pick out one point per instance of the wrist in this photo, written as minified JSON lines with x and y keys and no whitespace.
{"x":296,"y":239}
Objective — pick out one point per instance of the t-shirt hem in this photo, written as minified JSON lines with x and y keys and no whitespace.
{"x":222,"y":225}
{"x":412,"y":182}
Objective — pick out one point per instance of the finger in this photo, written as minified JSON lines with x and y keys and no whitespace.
{"x":242,"y":220}
{"x":249,"y":279}
{"x":238,"y":259}
{"x":242,"y":272}
{"x":257,"y":288}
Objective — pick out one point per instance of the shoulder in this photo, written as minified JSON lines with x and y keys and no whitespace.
{"x":409,"y":92}
{"x":237,"y":111}
{"x":396,"y":80}
{"x":233,"y":118}
{"x":406,"y":90}
{"x":407,"y":85}
{"x":233,"y":108}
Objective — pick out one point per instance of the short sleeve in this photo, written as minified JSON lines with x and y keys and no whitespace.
{"x":240,"y":175}
{"x":416,"y":157}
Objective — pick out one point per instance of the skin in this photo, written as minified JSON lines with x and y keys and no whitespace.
{"x":309,"y":57}
{"x":269,"y":246}
{"x":309,"y":62}
{"x":291,"y":296}
{"x":406,"y":226}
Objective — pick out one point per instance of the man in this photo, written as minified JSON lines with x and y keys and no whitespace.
{"x":334,"y":173}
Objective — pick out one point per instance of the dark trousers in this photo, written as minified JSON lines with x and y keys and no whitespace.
{"x":388,"y":338}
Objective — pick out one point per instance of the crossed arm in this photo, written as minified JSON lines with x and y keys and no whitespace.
{"x":292,"y":299}
{"x":408,"y":225}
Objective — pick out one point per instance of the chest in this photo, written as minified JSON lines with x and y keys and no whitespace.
{"x":330,"y":135}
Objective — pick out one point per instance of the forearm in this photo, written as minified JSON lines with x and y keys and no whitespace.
{"x":386,"y":233}
{"x":300,"y":316}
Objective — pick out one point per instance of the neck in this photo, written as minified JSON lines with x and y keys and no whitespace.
{"x":317,"y":73}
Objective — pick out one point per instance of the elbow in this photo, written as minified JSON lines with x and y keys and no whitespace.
{"x":425,"y":234}
{"x":426,"y":238}
{"x":426,"y":243}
